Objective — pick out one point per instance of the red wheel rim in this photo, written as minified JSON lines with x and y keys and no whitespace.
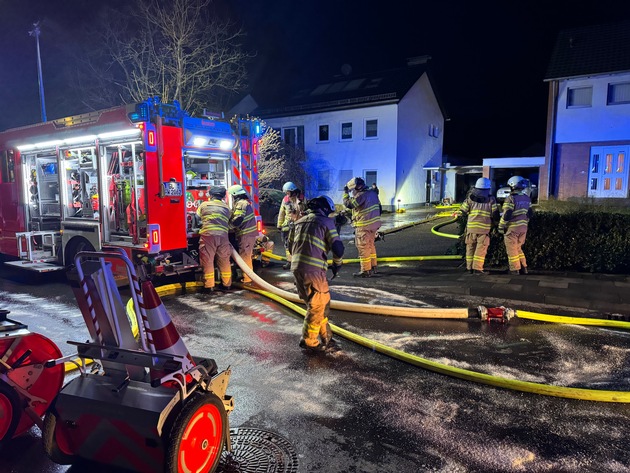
{"x":201,"y":439}
{"x":6,"y":415}
{"x":49,"y":382}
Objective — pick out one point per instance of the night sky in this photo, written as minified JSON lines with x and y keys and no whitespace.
{"x":488,"y":58}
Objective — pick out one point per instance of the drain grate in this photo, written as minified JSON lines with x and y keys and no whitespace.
{"x":258,"y":451}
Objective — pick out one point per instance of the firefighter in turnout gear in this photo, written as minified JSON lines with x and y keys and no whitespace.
{"x":213,"y":239}
{"x":292,"y":208}
{"x":243,"y":221}
{"x":482,"y":210}
{"x":513,"y":225}
{"x":366,"y":220}
{"x":310,"y":240}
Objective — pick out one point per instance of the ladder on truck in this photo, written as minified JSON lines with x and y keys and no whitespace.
{"x":244,"y":161}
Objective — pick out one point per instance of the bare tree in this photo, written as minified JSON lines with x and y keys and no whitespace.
{"x":177,"y":50}
{"x":279,"y":162}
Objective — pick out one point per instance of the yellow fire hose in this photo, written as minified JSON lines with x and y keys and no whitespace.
{"x":418,"y":312}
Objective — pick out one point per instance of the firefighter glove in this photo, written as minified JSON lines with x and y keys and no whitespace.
{"x":345,"y":189}
{"x":335,"y":269}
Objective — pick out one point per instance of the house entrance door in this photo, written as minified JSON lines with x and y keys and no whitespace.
{"x":608,"y":172}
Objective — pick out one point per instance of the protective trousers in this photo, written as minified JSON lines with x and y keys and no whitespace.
{"x":364,"y":240}
{"x":285,"y":240}
{"x":245,"y":250}
{"x":219,"y":247}
{"x":476,"y":249}
{"x":514,"y":249}
{"x":312,"y":288}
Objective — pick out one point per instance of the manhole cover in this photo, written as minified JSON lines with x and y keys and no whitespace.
{"x":255,"y":450}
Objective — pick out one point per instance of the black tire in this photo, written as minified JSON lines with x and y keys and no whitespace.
{"x":10,"y":411}
{"x":203,"y":454}
{"x":51,"y":446}
{"x":75,"y":246}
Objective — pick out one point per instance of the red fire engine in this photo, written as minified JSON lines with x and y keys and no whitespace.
{"x":129,"y":177}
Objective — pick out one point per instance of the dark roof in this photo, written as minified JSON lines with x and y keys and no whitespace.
{"x":589,"y":50}
{"x":345,"y":91}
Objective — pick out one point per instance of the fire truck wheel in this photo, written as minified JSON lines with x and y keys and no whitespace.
{"x":9,"y":411}
{"x":198,"y":435}
{"x":76,"y":245}
{"x":54,"y":445}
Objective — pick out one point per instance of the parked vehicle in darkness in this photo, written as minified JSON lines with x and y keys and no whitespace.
{"x":270,"y":201}
{"x":531,"y":190}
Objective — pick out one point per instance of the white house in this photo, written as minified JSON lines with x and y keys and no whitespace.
{"x":588,"y":124}
{"x":386,"y":127}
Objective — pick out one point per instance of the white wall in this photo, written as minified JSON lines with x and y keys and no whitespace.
{"x":600,"y":122}
{"x":417,"y":112}
{"x":358,"y":155}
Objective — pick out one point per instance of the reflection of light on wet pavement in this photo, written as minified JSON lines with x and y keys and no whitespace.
{"x":38,"y":313}
{"x":373,"y":296}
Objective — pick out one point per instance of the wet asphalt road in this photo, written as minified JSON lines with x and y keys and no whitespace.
{"x":359,"y":411}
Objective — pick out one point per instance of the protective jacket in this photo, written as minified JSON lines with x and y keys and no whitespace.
{"x":516,"y":214}
{"x":291,"y":209}
{"x":365,"y":207}
{"x":310,"y":240}
{"x":482,"y":210}
{"x":215,"y":217}
{"x":243,"y":219}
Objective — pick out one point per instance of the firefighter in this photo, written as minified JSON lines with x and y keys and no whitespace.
{"x":366,"y":220}
{"x":292,"y":208}
{"x":213,"y":239}
{"x":263,"y":245}
{"x":513,"y":224}
{"x":481,"y":209}
{"x":243,"y":221}
{"x":310,"y":240}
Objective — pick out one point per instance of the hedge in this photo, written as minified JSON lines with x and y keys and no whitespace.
{"x":580,"y":240}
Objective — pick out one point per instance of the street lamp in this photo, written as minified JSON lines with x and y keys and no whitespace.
{"x":35,"y":32}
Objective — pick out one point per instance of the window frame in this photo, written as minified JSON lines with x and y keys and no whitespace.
{"x":611,"y":85}
{"x":319,"y":133}
{"x":365,"y":129}
{"x":341,"y":125}
{"x":573,"y":89}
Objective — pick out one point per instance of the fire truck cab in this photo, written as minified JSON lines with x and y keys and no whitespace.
{"x":130,"y":177}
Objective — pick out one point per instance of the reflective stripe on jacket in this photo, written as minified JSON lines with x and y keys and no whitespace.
{"x":243,"y":218}
{"x":310,"y":240}
{"x":480,"y":214}
{"x":365,"y":207}
{"x":215,"y":217}
{"x":516,"y":213}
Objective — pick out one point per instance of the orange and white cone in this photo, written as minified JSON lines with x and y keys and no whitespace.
{"x":165,"y":336}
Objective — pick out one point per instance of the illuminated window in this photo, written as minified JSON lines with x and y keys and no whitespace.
{"x":579,"y":97}
{"x":594,"y":184}
{"x":609,"y":163}
{"x":620,"y":162}
{"x":606,"y":183}
{"x":618,"y":184}
{"x":618,"y":93}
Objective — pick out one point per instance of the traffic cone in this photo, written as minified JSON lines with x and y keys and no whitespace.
{"x":165,"y":336}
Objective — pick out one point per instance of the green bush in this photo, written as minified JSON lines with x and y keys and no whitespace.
{"x":591,"y":239}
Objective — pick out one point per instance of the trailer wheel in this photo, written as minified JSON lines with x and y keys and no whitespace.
{"x":10,"y":411}
{"x":198,"y":435}
{"x":55,"y":445}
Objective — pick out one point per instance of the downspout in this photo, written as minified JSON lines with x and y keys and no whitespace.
{"x":551,"y":138}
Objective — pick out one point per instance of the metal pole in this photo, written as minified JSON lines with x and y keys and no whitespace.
{"x":35,"y":32}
